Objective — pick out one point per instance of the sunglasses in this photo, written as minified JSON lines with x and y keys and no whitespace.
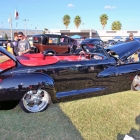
{"x":19,"y":36}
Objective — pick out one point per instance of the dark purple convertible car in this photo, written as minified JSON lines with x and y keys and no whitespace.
{"x":35,"y":80}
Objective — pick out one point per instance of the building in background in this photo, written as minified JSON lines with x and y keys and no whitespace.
{"x":28,"y":32}
{"x":102,"y":34}
{"x":84,"y":33}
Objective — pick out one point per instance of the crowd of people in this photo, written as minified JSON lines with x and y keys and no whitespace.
{"x":19,"y":45}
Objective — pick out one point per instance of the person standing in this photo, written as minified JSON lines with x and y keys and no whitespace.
{"x":13,"y":45}
{"x":23,"y":45}
{"x":131,"y":38}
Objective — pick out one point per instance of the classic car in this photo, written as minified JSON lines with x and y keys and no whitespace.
{"x":54,"y":44}
{"x":93,"y":41}
{"x":111,"y":43}
{"x":34,"y":81}
{"x":3,"y":42}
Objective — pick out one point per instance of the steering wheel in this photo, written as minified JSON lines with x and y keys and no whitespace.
{"x":82,"y":55}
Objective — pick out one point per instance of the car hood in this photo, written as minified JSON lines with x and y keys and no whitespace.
{"x":125,"y":49}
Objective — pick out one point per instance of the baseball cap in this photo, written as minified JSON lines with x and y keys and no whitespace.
{"x":131,"y":34}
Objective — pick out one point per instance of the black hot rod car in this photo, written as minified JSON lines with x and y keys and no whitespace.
{"x":36,"y":80}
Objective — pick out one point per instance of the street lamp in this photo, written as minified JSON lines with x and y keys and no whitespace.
{"x":1,"y":24}
{"x":10,"y":22}
{"x":43,"y":27}
{"x":83,"y":25}
{"x":16,"y":26}
{"x":31,"y":25}
{"x":25,"y":25}
{"x":36,"y":28}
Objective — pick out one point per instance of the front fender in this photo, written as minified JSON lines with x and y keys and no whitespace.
{"x":15,"y":86}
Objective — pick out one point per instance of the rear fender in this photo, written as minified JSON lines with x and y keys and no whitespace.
{"x":15,"y":86}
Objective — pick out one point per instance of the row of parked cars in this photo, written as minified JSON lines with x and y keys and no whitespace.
{"x":59,"y":44}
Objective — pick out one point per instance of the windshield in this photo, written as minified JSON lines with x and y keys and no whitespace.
{"x":91,"y":48}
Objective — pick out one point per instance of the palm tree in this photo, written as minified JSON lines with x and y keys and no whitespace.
{"x":103,"y":20}
{"x":5,"y":36}
{"x":116,"y":25}
{"x":77,"y":21}
{"x":66,"y":20}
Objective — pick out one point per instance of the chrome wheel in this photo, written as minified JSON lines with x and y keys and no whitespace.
{"x":136,"y":83}
{"x":35,"y":101}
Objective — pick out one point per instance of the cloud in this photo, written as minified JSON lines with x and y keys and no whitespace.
{"x":70,"y":5}
{"x":134,"y":19}
{"x":109,"y":7}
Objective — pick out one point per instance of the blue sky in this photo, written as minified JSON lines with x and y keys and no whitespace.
{"x":49,"y":13}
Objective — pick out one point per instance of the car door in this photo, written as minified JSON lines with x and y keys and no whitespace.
{"x":79,"y":79}
{"x":57,"y":43}
{"x":63,"y":45}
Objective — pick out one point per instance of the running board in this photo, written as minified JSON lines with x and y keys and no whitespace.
{"x":77,"y":92}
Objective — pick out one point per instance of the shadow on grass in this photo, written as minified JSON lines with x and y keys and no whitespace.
{"x":51,"y":124}
{"x":134,"y":133}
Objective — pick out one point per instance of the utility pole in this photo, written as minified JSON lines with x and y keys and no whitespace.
{"x":10,"y":22}
{"x":16,"y":26}
{"x":25,"y":26}
{"x":83,"y":25}
{"x":16,"y":17}
{"x":1,"y":24}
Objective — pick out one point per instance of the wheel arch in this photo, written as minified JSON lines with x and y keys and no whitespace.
{"x":49,"y":50}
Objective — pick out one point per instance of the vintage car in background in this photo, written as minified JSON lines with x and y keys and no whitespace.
{"x":111,"y":43}
{"x":4,"y":42}
{"x":93,"y":41}
{"x":37,"y":80}
{"x":54,"y":44}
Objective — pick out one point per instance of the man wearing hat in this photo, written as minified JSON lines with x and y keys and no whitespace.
{"x":131,"y":38}
{"x":23,"y":45}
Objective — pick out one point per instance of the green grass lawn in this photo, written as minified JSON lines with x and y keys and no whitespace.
{"x":97,"y":118}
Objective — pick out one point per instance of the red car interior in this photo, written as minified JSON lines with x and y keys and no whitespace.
{"x":7,"y":64}
{"x":40,"y":59}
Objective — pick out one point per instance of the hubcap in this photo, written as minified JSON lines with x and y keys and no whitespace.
{"x":35,"y":101}
{"x":136,"y":82}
